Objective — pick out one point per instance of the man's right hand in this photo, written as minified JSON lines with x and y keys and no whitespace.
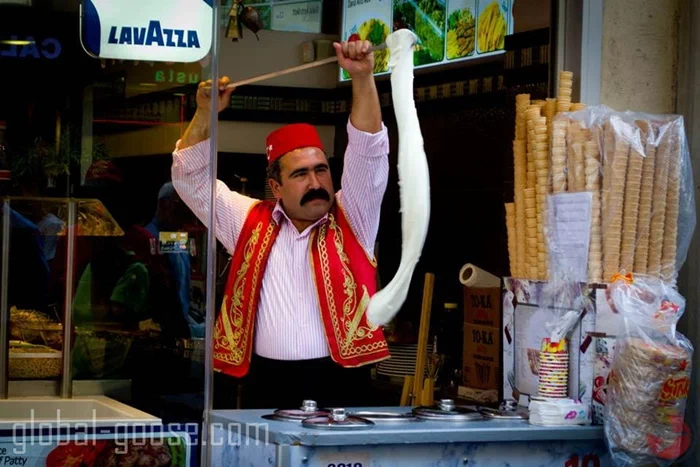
{"x":204,"y":94}
{"x":198,"y":129}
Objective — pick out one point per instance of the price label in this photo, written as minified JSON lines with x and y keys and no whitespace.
{"x":343,"y":459}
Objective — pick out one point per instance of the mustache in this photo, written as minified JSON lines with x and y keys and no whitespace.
{"x":311,"y":195}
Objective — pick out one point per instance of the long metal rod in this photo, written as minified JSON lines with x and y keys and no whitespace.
{"x":67,"y":373}
{"x":205,"y":456}
{"x":293,"y":69}
{"x":4,"y":310}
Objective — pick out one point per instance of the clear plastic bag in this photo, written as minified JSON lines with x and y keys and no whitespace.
{"x":637,"y":168}
{"x":650,"y":375}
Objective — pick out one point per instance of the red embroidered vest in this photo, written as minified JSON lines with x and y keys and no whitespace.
{"x":345,"y":280}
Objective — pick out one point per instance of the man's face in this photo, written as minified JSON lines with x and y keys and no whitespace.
{"x":306,"y":190}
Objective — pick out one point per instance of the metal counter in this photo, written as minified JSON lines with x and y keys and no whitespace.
{"x":245,"y":438}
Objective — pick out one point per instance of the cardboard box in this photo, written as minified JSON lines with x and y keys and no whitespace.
{"x":481,"y":354}
{"x":522,"y":331}
{"x":481,"y":368}
{"x":482,"y":306}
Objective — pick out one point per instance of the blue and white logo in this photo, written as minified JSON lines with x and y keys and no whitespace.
{"x":152,"y":30}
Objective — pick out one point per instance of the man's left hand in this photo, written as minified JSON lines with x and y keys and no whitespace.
{"x":355,"y":57}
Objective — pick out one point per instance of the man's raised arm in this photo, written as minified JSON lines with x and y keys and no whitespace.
{"x":191,"y":177}
{"x":366,"y":165}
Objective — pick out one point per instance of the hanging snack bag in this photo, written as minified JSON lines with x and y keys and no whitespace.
{"x":650,"y":376}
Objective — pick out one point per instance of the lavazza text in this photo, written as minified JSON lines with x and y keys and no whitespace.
{"x":154,"y":34}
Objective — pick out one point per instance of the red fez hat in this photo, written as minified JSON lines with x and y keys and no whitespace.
{"x":289,"y":138}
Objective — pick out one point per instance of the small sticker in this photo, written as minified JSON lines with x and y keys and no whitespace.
{"x":343,"y":459}
{"x":173,"y":242}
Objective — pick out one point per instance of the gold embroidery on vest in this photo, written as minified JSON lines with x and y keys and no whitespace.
{"x":231,"y":339}
{"x":352,"y":313}
{"x":256,"y":286}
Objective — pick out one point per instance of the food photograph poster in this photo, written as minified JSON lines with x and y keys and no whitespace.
{"x":448,"y":30}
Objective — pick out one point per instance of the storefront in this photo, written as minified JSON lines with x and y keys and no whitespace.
{"x":111,"y":283}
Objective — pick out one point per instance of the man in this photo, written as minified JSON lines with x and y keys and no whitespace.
{"x":168,"y":218}
{"x":293,"y":316}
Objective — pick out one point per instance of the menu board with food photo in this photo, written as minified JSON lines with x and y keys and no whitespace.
{"x":461,"y":29}
{"x":427,"y":19}
{"x":448,"y":30}
{"x":368,"y":20}
{"x":492,"y":26}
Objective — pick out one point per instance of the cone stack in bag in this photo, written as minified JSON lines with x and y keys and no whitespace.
{"x":668,"y":255}
{"x":613,"y":216}
{"x":576,"y":140}
{"x":559,"y":169}
{"x":641,"y":254}
{"x":595,"y":250}
{"x":658,"y":209}
{"x":633,"y":189}
{"x":633,"y":169}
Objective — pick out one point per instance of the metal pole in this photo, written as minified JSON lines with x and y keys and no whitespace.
{"x":211,"y":246}
{"x":67,"y":374}
{"x":4,"y":310}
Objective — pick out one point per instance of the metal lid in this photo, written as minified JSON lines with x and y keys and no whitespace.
{"x":384,"y":417}
{"x":509,"y":404}
{"x":503,"y":414}
{"x":338,"y":419}
{"x":446,"y":410}
{"x":308,"y":409}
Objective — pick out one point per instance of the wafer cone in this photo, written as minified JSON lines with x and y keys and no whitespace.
{"x":641,"y":254}
{"x":511,"y":231}
{"x":612,"y":217}
{"x":659,"y":193}
{"x":520,"y":184}
{"x":631,"y":209}
{"x":592,"y":168}
{"x":668,"y":256}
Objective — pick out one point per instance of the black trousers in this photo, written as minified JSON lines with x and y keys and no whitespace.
{"x":273,"y":384}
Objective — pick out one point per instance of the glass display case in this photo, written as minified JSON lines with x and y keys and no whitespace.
{"x":103,"y":268}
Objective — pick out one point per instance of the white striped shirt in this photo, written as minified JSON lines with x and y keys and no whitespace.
{"x":288,"y":324}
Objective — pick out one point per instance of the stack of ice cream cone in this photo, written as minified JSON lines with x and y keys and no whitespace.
{"x":633,"y":168}
{"x":595,"y":250}
{"x":512,"y":233}
{"x":641,"y":254}
{"x":559,"y":164}
{"x":566,"y":83}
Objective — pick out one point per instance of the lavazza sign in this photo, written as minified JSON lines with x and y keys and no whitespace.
{"x":153,"y":30}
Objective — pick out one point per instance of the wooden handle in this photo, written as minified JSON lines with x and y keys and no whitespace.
{"x":407,"y":388}
{"x":428,"y":392}
{"x":422,"y":351}
{"x":286,"y":71}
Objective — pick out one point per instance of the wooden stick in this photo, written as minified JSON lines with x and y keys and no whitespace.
{"x":286,"y":71}
{"x":422,"y":351}
{"x":294,"y":69}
